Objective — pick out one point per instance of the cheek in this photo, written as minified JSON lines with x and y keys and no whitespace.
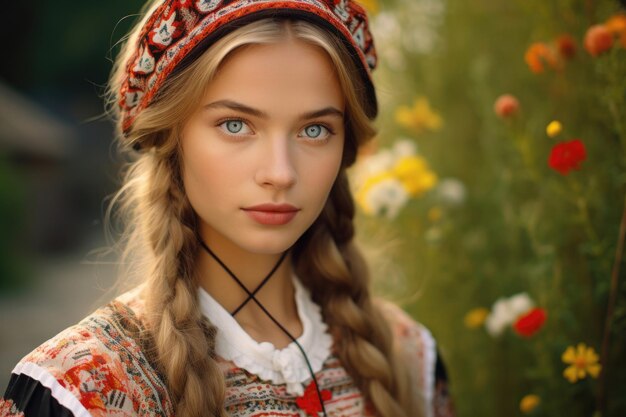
{"x":321,"y":176}
{"x":208,"y":180}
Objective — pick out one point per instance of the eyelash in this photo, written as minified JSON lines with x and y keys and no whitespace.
{"x":331,"y":132}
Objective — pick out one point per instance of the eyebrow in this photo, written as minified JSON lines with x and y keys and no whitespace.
{"x":326,"y":111}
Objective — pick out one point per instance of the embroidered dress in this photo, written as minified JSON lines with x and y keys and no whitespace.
{"x":99,"y":367}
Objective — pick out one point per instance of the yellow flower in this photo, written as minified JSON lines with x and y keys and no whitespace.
{"x":370,"y":5}
{"x":414,"y":174}
{"x":476,"y":317}
{"x":582,"y":360}
{"x":362,"y":194}
{"x":529,"y":403}
{"x":420,"y":117}
{"x":554,"y":128}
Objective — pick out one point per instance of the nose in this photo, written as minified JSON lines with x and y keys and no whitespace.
{"x":277,"y":168}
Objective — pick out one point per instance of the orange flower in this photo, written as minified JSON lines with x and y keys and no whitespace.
{"x":598,"y":40}
{"x":616,"y":24}
{"x":538,"y":55}
{"x":566,"y":46}
{"x":528,"y":404}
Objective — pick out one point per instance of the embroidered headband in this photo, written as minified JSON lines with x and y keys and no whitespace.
{"x":178,"y":31}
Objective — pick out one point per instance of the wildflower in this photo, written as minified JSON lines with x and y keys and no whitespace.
{"x":505,"y":311}
{"x":583,"y":360}
{"x":529,"y":403}
{"x":554,"y":128}
{"x":420,"y":117}
{"x":382,"y":194}
{"x":566,"y":46}
{"x":475,"y":317}
{"x":506,"y":106}
{"x":414,"y":174}
{"x":566,"y":156}
{"x":519,"y":304}
{"x":372,"y":165}
{"x":451,"y":191}
{"x":528,"y":324}
{"x":598,"y":40}
{"x":404,"y":147}
{"x":538,"y":55}
{"x":616,"y":24}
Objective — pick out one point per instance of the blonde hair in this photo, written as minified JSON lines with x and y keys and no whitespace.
{"x":159,"y":243}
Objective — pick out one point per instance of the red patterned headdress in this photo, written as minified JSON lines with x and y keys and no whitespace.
{"x":180,"y":30}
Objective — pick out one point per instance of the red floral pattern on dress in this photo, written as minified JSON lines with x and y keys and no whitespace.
{"x":8,"y":409}
{"x":103,"y":362}
{"x":310,"y":401}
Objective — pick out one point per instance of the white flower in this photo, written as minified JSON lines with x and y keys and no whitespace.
{"x":505,"y":311}
{"x":404,"y":147}
{"x":371,"y":166}
{"x":386,"y":197}
{"x":451,"y":191}
{"x":498,"y":318}
{"x":520,"y":304}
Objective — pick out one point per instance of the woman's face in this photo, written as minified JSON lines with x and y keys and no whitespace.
{"x":263,"y":149}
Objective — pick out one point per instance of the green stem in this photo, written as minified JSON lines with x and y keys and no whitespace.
{"x":604,"y":357}
{"x":583,"y":207}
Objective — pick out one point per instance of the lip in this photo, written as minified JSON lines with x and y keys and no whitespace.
{"x":272,"y":214}
{"x":281,"y":208}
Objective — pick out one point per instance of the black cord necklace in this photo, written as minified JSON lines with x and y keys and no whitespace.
{"x":252,"y":297}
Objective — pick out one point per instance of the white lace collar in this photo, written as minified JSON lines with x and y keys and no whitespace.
{"x":286,"y":365}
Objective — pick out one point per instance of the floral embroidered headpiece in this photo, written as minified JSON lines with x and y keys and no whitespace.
{"x":177,"y":32}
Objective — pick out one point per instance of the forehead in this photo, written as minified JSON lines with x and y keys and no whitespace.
{"x":289,"y":76}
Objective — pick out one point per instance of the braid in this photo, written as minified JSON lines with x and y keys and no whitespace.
{"x":183,"y":339}
{"x":335,"y":271}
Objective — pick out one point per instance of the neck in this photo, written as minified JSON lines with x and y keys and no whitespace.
{"x":277,"y":295}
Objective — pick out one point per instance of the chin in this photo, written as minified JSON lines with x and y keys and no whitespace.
{"x":270,"y":245}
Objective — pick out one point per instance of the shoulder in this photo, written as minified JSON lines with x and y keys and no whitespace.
{"x":96,"y":367}
{"x":411,"y":336}
{"x":417,"y":348}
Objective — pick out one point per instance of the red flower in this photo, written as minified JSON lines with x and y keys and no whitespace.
{"x":310,"y":402}
{"x":566,"y":46}
{"x":506,"y":106}
{"x":528,"y":324}
{"x":566,"y":156}
{"x":598,"y":39}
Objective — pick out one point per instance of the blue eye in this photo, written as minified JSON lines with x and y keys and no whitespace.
{"x":235,"y":127}
{"x":315,"y":131}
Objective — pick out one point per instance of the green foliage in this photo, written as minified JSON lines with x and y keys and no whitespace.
{"x":524,"y":227}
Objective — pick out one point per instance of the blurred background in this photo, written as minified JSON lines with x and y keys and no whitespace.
{"x":57,"y":166}
{"x":494,"y":192}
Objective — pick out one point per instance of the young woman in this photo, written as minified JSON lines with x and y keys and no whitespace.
{"x":241,"y":118}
